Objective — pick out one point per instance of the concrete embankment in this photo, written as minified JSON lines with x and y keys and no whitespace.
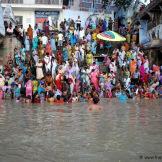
{"x":8,"y":47}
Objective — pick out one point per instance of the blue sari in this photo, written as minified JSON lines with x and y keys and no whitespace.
{"x":93,"y":47}
{"x":35,"y":43}
{"x":73,"y":40}
{"x":65,"y":54}
{"x":53,"y":44}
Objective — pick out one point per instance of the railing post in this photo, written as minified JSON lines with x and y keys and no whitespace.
{"x":60,"y":2}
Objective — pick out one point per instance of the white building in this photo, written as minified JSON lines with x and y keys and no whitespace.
{"x":37,"y":11}
{"x":85,"y":8}
{"x":34,"y":11}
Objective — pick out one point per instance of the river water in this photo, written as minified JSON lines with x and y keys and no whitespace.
{"x":120,"y":132}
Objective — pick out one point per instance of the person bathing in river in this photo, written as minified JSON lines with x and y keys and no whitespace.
{"x":94,"y":106}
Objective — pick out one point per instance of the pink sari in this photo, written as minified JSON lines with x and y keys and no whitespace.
{"x":142,"y":72}
{"x":29,"y":88}
{"x":94,"y":79}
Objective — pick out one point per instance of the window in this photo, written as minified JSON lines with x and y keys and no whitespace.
{"x":19,"y":20}
{"x":46,"y":1}
{"x":98,"y":1}
{"x":71,"y":2}
{"x":12,"y":1}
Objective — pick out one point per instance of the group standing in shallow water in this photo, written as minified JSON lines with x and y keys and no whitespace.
{"x":61,"y":68}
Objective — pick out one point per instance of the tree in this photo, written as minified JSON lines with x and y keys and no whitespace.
{"x":119,"y":3}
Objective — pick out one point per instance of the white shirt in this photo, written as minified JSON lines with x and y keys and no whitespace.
{"x":34,"y":33}
{"x":113,"y":67}
{"x":44,"y":40}
{"x":146,"y":64}
{"x":21,"y":30}
{"x":122,"y":55}
{"x":78,"y":21}
{"x":10,"y":30}
{"x":81,"y":34}
{"x":47,"y":60}
{"x":127,"y":82}
{"x":60,"y":36}
{"x":134,"y":54}
{"x":76,"y":32}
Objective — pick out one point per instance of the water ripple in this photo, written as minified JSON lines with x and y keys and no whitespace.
{"x":47,"y":133}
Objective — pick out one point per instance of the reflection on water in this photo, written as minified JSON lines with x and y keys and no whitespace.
{"x":70,"y":133}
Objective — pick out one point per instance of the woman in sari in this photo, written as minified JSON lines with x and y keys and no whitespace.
{"x":39,"y":70}
{"x":94,"y":79}
{"x":142,"y":72}
{"x":30,"y":32}
{"x":133,"y":65}
{"x":89,"y":58}
{"x":29,"y":88}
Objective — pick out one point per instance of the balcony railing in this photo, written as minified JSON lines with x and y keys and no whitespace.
{"x":46,"y":2}
{"x":12,"y":1}
{"x":151,"y":25}
{"x":155,"y":32}
{"x":54,"y":2}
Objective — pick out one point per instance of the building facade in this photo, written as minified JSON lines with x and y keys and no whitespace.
{"x":149,"y":20}
{"x":86,"y":5}
{"x":87,"y":8}
{"x":34,"y":11}
{"x":37,"y":11}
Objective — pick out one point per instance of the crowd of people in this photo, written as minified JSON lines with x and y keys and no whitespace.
{"x":60,"y":67}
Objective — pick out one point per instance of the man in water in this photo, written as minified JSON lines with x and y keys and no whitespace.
{"x":94,"y":106}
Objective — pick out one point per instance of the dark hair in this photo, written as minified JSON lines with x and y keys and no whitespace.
{"x":50,"y":94}
{"x":96,"y":100}
{"x":58,"y":97}
{"x":6,"y":83}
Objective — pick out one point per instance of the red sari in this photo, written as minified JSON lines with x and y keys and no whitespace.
{"x":59,"y":57}
{"x":48,"y":49}
{"x":58,"y":82}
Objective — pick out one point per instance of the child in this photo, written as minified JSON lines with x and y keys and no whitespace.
{"x":75,"y":98}
{"x":50,"y":97}
{"x":58,"y":100}
{"x":17,"y":92}
{"x":148,"y":94}
{"x":42,"y":97}
{"x":29,"y":88}
{"x":6,"y":90}
{"x":109,"y":94}
{"x":41,"y":88}
{"x":101,"y":81}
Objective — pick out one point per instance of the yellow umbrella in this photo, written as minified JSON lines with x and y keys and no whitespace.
{"x":111,"y":36}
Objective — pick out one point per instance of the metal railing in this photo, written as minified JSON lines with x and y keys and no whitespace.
{"x":87,"y":5}
{"x":48,"y":2}
{"x":12,"y":1}
{"x":155,"y":32}
{"x":54,"y":2}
